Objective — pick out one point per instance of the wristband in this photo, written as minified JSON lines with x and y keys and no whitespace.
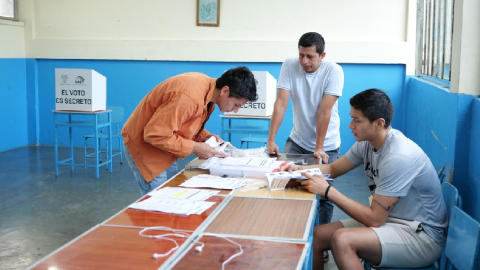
{"x":326,"y":192}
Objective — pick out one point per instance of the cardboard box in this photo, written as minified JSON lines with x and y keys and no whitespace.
{"x":267,"y":93}
{"x":80,"y":90}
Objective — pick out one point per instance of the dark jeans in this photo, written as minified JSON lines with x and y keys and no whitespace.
{"x":325,"y":206}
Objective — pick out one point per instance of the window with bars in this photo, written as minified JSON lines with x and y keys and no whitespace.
{"x":434,"y":38}
{"x":8,"y":9}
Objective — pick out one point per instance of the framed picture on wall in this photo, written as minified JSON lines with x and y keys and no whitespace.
{"x":208,"y":13}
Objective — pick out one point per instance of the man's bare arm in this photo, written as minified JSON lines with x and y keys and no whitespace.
{"x":279,"y":109}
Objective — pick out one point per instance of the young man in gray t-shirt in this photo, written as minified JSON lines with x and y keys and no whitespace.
{"x":406,"y":224}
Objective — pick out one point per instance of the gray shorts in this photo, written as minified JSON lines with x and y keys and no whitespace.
{"x":404,"y":243}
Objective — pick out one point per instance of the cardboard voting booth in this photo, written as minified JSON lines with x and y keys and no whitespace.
{"x":267,"y":93}
{"x":80,"y":90}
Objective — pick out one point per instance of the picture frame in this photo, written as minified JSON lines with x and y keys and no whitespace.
{"x":208,"y":13}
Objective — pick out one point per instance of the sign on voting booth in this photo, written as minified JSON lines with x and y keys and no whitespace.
{"x":80,"y":90}
{"x":266,"y":90}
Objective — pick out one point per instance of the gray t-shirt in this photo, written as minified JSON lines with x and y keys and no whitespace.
{"x":307,"y":90}
{"x":400,"y":168}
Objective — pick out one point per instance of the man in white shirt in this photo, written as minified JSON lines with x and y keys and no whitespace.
{"x":314,"y":84}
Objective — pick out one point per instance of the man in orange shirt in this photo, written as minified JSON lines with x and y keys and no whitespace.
{"x":169,"y":122}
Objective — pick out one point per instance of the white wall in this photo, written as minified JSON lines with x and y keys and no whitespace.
{"x":367,"y":31}
{"x":12,"y":39}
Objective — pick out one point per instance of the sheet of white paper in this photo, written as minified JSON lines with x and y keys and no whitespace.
{"x":173,"y":206}
{"x":248,"y":161}
{"x":183,"y":193}
{"x":211,"y":181}
{"x":209,"y":163}
{"x":212,"y":141}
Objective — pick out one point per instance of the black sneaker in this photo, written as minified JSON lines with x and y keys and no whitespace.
{"x":325,"y":256}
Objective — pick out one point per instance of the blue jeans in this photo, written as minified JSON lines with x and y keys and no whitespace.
{"x":325,"y":206}
{"x":145,"y":186}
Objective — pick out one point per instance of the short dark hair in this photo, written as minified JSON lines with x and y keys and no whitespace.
{"x":312,"y":39}
{"x":374,"y":104}
{"x":241,"y":83}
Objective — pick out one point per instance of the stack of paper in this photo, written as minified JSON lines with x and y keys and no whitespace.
{"x":213,"y":181}
{"x":209,"y":163}
{"x":176,"y":200}
{"x":246,"y":166}
{"x":281,"y":180}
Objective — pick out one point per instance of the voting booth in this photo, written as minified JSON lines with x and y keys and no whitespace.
{"x":266,"y":90}
{"x":80,"y":90}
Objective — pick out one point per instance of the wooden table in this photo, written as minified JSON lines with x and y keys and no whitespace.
{"x":274,"y":229}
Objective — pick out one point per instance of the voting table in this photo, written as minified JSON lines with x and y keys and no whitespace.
{"x":273,"y":228}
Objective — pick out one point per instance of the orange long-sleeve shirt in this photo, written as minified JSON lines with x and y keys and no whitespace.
{"x":165,"y":124}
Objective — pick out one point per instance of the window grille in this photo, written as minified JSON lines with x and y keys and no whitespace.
{"x":434,"y":38}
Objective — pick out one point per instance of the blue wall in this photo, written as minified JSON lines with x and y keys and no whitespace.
{"x":447,"y":127}
{"x":469,"y":186}
{"x":14,"y":107}
{"x":390,"y":78}
{"x":129,"y":81}
{"x":430,"y":120}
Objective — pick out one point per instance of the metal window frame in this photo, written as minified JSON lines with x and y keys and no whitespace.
{"x":15,"y":12}
{"x":434,"y":38}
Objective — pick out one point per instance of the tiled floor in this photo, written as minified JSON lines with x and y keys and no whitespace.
{"x":40,"y":212}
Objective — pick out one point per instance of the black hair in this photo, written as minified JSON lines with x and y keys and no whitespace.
{"x":374,"y":104}
{"x":312,"y":39}
{"x":241,"y":83}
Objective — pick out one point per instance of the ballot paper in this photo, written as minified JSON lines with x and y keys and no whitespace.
{"x":282,"y":180}
{"x":175,"y":200}
{"x":217,"y":182}
{"x":172,"y":206}
{"x":255,"y":167}
{"x":220,"y":147}
{"x":247,"y":161}
{"x":183,"y":193}
{"x":209,"y":163}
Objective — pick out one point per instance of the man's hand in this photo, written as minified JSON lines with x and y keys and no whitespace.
{"x":204,"y":151}
{"x":321,"y":154}
{"x":315,"y":184}
{"x":272,"y":148}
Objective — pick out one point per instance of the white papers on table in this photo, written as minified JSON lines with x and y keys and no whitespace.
{"x":237,"y":161}
{"x":279,"y":180}
{"x":212,"y":181}
{"x":209,"y":163}
{"x":183,"y":193}
{"x":255,"y":167}
{"x":247,"y":161}
{"x":176,"y":200}
{"x":173,"y":206}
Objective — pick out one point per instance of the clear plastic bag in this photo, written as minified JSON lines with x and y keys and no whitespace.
{"x":232,"y":151}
